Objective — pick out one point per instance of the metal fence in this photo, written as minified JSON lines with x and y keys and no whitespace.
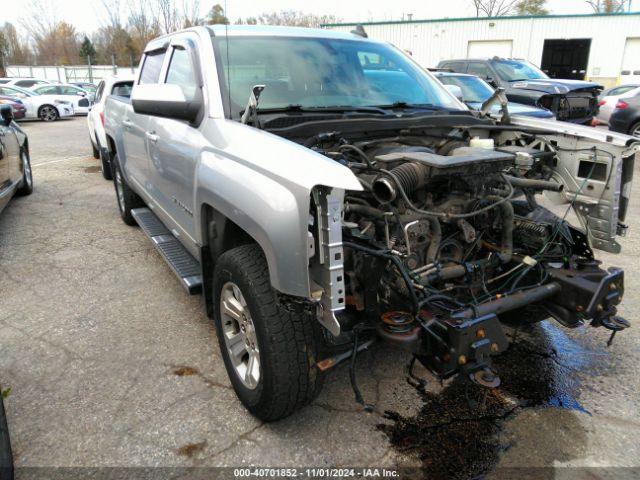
{"x":66,"y":74}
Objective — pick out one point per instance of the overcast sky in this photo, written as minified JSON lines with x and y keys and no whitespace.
{"x":86,"y":14}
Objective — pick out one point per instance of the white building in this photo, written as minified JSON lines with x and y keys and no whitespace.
{"x":604,"y":48}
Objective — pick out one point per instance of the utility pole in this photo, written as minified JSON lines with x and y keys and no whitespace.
{"x":113,"y":63}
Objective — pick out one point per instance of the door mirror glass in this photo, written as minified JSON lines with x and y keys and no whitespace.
{"x":166,"y":100}
{"x":6,"y":112}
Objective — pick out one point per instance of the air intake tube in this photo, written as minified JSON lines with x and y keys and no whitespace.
{"x":411,"y":176}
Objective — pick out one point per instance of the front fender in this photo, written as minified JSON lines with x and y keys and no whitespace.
{"x":263,"y":184}
{"x":269,"y":212}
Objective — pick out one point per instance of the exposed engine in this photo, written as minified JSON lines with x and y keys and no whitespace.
{"x":447,"y":239}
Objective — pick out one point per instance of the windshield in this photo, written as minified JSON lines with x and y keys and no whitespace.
{"x":514,"y":70}
{"x":474,"y":90}
{"x":323,"y":72}
{"x":16,"y":92}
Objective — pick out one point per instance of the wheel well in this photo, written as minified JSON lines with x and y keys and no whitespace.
{"x":25,"y":146}
{"x":111,"y":145}
{"x":219,"y":234}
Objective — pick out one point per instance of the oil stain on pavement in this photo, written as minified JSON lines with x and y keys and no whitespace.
{"x":457,"y":432}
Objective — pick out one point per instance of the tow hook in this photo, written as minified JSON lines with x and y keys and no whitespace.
{"x":614,"y":323}
{"x":485,"y":378}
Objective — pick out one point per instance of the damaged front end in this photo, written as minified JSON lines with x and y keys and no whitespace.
{"x":451,"y":238}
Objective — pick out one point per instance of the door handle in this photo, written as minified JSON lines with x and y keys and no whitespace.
{"x":127,"y":123}
{"x":152,"y":136}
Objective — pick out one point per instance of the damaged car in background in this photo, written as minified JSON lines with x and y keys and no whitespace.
{"x":573,"y":101}
{"x":317,"y":211}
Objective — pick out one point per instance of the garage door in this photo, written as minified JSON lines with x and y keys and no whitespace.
{"x":630,"y":71}
{"x":489,"y":48}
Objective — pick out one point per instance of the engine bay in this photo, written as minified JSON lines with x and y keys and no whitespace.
{"x":447,"y":240}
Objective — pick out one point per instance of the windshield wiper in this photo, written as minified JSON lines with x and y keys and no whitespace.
{"x":295,"y":107}
{"x":409,"y":106}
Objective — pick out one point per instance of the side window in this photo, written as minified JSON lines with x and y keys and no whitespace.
{"x":152,"y":66}
{"x":52,"y":90}
{"x":69,"y":91}
{"x":457,"y":67}
{"x":479,"y":69}
{"x":122,"y":89}
{"x":181,"y":72}
{"x":99,"y":91}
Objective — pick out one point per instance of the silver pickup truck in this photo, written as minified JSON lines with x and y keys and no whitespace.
{"x":322,"y":191}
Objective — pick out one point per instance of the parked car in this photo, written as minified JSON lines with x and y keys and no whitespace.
{"x":77,"y":96}
{"x":474,"y":92}
{"x":316,"y":210}
{"x":573,"y":101}
{"x":120,"y":86}
{"x":15,"y":167}
{"x":88,"y":87}
{"x":19,"y":110}
{"x":24,"y":82}
{"x":626,"y":116}
{"x":44,"y":107}
{"x":609,"y":98}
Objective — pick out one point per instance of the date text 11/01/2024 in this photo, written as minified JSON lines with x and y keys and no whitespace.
{"x":313,"y":472}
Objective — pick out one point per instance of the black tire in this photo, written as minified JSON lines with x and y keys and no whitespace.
{"x":105,"y":164}
{"x":6,"y":457}
{"x":635,"y":129}
{"x":127,"y":199}
{"x":284,"y":332}
{"x":48,"y":113}
{"x":96,"y":152}
{"x":26,"y":186}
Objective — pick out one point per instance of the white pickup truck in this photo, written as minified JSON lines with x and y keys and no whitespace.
{"x":118,"y":85}
{"x":322,"y":190}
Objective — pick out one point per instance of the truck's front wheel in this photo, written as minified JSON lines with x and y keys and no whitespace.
{"x":268,"y":343}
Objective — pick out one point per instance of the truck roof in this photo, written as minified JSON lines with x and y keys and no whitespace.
{"x":279,"y":31}
{"x":260,"y":30}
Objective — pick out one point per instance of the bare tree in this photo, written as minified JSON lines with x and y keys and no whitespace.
{"x":143,"y":25}
{"x":494,"y":8}
{"x":294,"y":18}
{"x":609,"y":6}
{"x":112,"y":11}
{"x":191,"y":13}
{"x":168,"y":15}
{"x":15,"y":48}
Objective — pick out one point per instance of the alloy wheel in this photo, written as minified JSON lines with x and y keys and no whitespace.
{"x":120,"y":190}
{"x":48,"y":114}
{"x":240,"y":335}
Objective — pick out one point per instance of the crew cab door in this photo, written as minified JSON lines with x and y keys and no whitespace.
{"x":174,"y":146}
{"x":134,"y":125}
